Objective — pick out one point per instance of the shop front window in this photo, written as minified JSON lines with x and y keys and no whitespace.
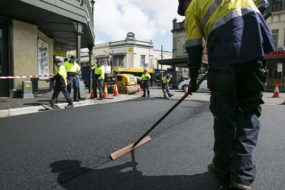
{"x":275,"y":34}
{"x":143,"y":60}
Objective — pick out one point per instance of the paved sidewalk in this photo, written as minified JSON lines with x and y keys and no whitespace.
{"x":18,"y":106}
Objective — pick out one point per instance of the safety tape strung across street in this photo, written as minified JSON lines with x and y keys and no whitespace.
{"x":24,"y":76}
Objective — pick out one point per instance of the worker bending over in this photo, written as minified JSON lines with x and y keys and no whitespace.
{"x":60,"y":85}
{"x":145,"y":83}
{"x":237,"y":40}
{"x":98,"y":81}
{"x":73,"y":71}
{"x":165,"y":85}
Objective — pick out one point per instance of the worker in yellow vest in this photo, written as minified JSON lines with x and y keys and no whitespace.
{"x":237,"y":38}
{"x":98,"y":81}
{"x":73,"y":71}
{"x":145,"y":83}
{"x":165,"y":85}
{"x":60,"y":85}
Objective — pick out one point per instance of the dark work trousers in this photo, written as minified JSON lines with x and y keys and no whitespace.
{"x":165,"y":89}
{"x":72,"y":82}
{"x":146,"y":87}
{"x":56,"y":92}
{"x":235,"y":103}
{"x":98,"y":84}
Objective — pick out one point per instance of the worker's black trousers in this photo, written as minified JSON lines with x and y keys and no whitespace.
{"x":235,"y":104}
{"x":98,"y":85}
{"x":146,"y":87}
{"x":56,"y":92}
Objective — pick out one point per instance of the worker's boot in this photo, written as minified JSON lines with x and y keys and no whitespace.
{"x":48,"y":106}
{"x":164,"y":94}
{"x":170,"y":95}
{"x":69,"y":106}
{"x":238,"y":186}
{"x":221,"y":172}
{"x":148,"y":92}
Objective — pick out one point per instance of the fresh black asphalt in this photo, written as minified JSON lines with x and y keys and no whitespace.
{"x":69,"y":149}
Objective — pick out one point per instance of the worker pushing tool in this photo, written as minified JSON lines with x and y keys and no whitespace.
{"x":98,"y":82}
{"x":237,"y":40}
{"x":73,"y":70}
{"x":165,"y":85}
{"x":60,"y":85}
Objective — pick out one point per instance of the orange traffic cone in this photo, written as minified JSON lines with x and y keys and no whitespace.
{"x":186,"y":89}
{"x":139,"y":88}
{"x":92,"y":95}
{"x":276,"y":92}
{"x":115,"y":92}
{"x":106,"y":95}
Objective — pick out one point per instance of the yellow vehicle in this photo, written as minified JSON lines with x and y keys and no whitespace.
{"x":126,"y":79}
{"x":136,"y":72}
{"x":127,"y":83}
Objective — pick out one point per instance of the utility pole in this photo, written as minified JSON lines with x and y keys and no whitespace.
{"x":161,"y":55}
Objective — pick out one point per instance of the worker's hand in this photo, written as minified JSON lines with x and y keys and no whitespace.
{"x":193,"y":86}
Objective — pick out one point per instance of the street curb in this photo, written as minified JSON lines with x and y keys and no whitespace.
{"x":35,"y":109}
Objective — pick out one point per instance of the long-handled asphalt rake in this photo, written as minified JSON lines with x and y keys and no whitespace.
{"x":144,"y":138}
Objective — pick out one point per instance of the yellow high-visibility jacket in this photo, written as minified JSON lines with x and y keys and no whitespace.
{"x":146,"y":76}
{"x":166,"y":80}
{"x":72,"y":67}
{"x":60,"y":76}
{"x":234,"y":30}
{"x":99,"y":72}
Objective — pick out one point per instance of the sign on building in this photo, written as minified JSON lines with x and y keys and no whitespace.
{"x":43,"y":59}
{"x":279,"y":68}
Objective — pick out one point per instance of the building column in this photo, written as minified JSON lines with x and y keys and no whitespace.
{"x":90,"y":67}
{"x":79,"y":32}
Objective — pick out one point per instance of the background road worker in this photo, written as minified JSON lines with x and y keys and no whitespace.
{"x":237,"y":40}
{"x":72,"y":69}
{"x":60,"y":85}
{"x":165,"y":85}
{"x":98,"y":82}
{"x":145,"y":83}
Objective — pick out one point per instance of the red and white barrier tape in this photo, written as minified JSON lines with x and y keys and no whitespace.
{"x":24,"y":76}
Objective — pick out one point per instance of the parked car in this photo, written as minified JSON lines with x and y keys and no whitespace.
{"x":203,"y":86}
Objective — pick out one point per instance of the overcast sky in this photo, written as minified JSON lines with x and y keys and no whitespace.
{"x":148,"y":19}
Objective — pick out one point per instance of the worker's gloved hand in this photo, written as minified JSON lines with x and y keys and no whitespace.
{"x":193,"y":86}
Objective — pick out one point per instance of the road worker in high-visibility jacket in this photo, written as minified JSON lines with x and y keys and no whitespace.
{"x":73,"y":71}
{"x":98,"y":81}
{"x":60,"y":85}
{"x":165,"y":85}
{"x":145,"y":83}
{"x":237,"y":40}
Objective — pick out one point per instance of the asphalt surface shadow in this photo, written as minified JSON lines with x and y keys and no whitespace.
{"x":127,"y":177}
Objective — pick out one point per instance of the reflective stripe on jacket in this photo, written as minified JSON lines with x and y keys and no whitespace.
{"x":235,"y":31}
{"x":146,"y":76}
